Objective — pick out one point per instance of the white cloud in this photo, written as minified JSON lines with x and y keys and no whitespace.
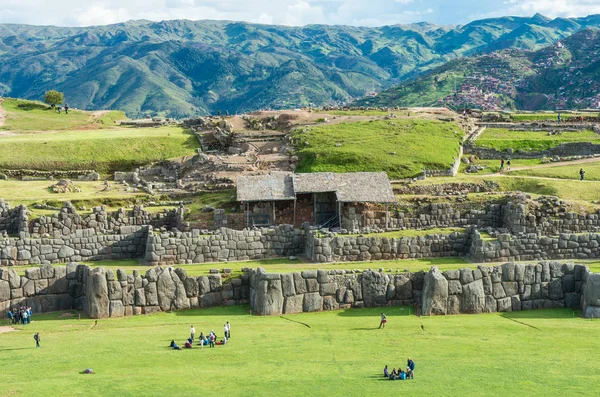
{"x":284,"y":12}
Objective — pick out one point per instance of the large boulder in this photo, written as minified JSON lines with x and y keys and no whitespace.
{"x":404,"y":287}
{"x":473,"y":297}
{"x":96,"y":294}
{"x":180,"y":299}
{"x":269,"y":297}
{"x":288,"y":285}
{"x":293,"y":304}
{"x":151,"y":294}
{"x":4,"y":290}
{"x":313,"y":302}
{"x":435,"y":293}
{"x":165,"y":288}
{"x":591,"y":296}
{"x":374,"y":288}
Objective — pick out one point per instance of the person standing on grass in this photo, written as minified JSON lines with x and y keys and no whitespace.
{"x":192,"y":332}
{"x":410,"y":364}
{"x":228,"y":330}
{"x":66,"y":108}
{"x":212,"y":339}
{"x":581,"y":174}
{"x":37,"y":340}
{"x":508,"y":165}
{"x":558,"y":118}
{"x":383,"y":321}
{"x":501,"y":170}
{"x":202,"y":340}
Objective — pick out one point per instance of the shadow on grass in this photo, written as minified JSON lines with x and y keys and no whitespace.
{"x":216,"y":311}
{"x":376,"y":311}
{"x":553,"y":314}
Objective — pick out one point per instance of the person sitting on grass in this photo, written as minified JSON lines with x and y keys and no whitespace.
{"x":402,"y":374}
{"x":174,"y":345}
{"x":409,"y":373}
{"x":386,"y":373}
{"x":394,"y":374}
{"x":188,"y":344}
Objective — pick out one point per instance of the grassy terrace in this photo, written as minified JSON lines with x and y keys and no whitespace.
{"x":29,"y":116}
{"x":416,"y":233}
{"x":102,"y":150}
{"x":367,"y":146}
{"x":592,"y":172}
{"x":502,"y":139}
{"x":336,"y":353}
{"x":283,"y":265}
{"x":524,"y":117}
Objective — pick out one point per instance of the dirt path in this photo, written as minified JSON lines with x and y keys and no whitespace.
{"x":533,"y":177}
{"x":5,"y":329}
{"x":557,"y":164}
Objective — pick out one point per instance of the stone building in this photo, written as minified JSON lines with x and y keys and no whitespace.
{"x":320,"y":199}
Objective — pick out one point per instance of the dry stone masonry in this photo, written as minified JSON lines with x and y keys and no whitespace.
{"x":102,"y":293}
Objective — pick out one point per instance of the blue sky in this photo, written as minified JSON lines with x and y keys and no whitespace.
{"x":284,"y":12}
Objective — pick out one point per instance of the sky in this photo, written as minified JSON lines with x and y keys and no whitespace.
{"x":285,"y":12}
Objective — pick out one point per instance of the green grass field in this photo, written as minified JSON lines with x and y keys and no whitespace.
{"x":283,"y":265}
{"x":524,"y":117}
{"x":24,"y":116}
{"x":493,"y":166}
{"x":503,"y":139}
{"x":592,"y":171}
{"x":102,"y":150}
{"x":534,"y":353}
{"x":367,"y":146}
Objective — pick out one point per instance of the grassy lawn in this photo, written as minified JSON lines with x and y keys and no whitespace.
{"x":285,"y":265}
{"x":367,"y":146}
{"x":524,"y":117}
{"x":28,"y":116}
{"x":342,"y":353}
{"x":592,"y":171}
{"x":416,"y":233}
{"x":356,"y":112}
{"x":102,"y":150}
{"x":503,"y":139}
{"x":493,"y":166}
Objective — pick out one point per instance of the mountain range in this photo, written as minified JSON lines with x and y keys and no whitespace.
{"x":180,"y":68}
{"x":564,"y":75}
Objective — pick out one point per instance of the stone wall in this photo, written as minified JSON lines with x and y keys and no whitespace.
{"x":562,"y":150}
{"x":508,"y":287}
{"x":533,"y":247}
{"x":12,"y":220}
{"x":83,"y":245}
{"x":102,"y":293}
{"x":67,"y":221}
{"x":342,"y":248}
{"x":80,"y":175}
{"x":226,"y":245}
{"x":422,"y":216}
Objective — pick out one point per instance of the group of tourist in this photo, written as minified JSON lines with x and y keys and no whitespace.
{"x":209,"y":339}
{"x":400,"y":374}
{"x":19,"y":316}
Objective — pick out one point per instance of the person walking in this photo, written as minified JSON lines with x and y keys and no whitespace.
{"x":383,"y":321}
{"x":558,"y":118}
{"x":501,"y":170}
{"x":37,"y":340}
{"x":508,"y":165}
{"x":66,"y":108}
{"x":581,"y":174}
{"x":192,"y":332}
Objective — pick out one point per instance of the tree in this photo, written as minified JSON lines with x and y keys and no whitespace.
{"x":54,"y":98}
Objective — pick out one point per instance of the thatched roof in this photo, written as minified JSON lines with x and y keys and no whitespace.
{"x":362,"y":187}
{"x":274,"y":186}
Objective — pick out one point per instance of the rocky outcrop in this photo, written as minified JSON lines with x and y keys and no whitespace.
{"x":435,"y":293}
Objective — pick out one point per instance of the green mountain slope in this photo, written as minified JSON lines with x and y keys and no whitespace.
{"x":565,"y":75}
{"x":181,"y":67}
